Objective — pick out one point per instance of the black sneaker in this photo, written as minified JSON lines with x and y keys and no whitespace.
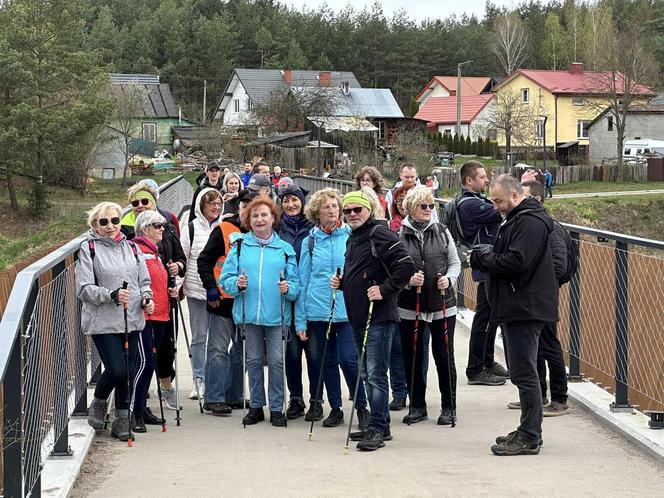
{"x":415,"y":415}
{"x":447,"y":416}
{"x":363,"y":417}
{"x":498,"y":370}
{"x":335,"y":418}
{"x":295,"y":409}
{"x":398,"y":404}
{"x":137,"y":423}
{"x":514,"y":444}
{"x":503,"y":439}
{"x":217,"y":408}
{"x":371,"y":441}
{"x":485,"y":378}
{"x":150,"y":418}
{"x":359,"y":435}
{"x":237,"y":405}
{"x":254,"y":416}
{"x":278,"y":419}
{"x":315,"y":412}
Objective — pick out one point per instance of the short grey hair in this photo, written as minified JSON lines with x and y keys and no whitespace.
{"x":416,"y":196}
{"x":98,"y":211}
{"x":508,"y":184}
{"x":147,"y":218}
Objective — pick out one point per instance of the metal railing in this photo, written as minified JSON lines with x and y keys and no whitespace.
{"x":46,"y":363}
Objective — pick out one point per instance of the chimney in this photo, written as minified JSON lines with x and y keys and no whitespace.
{"x":288,"y":76}
{"x":576,"y":68}
{"x":325,"y":78}
{"x":345,"y":88}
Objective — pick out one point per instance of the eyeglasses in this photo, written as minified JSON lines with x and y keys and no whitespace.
{"x":356,"y":210}
{"x":158,"y":225}
{"x":425,"y":207}
{"x":136,"y":202}
{"x":214,"y":203}
{"x":113,"y":221}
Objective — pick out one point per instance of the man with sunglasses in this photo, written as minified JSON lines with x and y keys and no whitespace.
{"x":377,"y":267}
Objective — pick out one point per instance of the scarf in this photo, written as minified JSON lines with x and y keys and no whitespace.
{"x":264,"y":242}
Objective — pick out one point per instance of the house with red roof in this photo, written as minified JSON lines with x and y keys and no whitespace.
{"x":446,"y":86}
{"x":440,"y":113}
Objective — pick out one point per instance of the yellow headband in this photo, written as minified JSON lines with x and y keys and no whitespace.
{"x":144,"y":194}
{"x":357,"y":197}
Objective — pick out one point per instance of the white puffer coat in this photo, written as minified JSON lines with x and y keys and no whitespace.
{"x":192,"y":285}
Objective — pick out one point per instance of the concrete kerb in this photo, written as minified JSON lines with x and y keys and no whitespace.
{"x":632,"y":425}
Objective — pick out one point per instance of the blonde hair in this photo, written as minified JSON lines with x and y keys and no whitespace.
{"x":101,"y":208}
{"x":313,"y":207}
{"x":227,"y":177}
{"x":376,"y":209}
{"x":415,"y":196}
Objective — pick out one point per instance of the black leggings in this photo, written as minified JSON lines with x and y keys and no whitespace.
{"x":439,"y":349}
{"x":165,"y":355}
{"x":114,"y":376}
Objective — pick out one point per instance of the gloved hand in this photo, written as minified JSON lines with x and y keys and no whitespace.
{"x":213,"y":297}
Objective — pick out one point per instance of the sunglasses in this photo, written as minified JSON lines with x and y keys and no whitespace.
{"x":425,"y":207}
{"x":113,"y":221}
{"x":158,"y":225}
{"x":136,"y":202}
{"x":356,"y":210}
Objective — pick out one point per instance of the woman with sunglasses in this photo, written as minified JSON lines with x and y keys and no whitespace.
{"x":437,"y":267}
{"x":149,"y":228}
{"x":106,"y":260}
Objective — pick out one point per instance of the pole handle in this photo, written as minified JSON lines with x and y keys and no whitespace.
{"x":338,"y":272}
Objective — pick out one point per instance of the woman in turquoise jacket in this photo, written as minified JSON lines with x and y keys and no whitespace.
{"x":252,"y":273}
{"x":323,"y":251}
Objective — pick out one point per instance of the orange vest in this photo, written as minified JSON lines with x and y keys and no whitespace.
{"x":226,"y":229}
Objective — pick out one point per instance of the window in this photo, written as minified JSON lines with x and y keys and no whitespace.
{"x":539,"y":129}
{"x":381,"y":130}
{"x":107,"y":173}
{"x":236,"y":103}
{"x":150,"y":132}
{"x":582,"y":128}
{"x":250,"y":105}
{"x":448,"y":132}
{"x":627,"y":152}
{"x":492,"y":135}
{"x":578,"y":102}
{"x":609,"y":123}
{"x":525,"y":95}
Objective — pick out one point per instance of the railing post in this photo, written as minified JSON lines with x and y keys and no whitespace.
{"x":622,"y":326}
{"x":574,"y":322}
{"x":12,"y":443}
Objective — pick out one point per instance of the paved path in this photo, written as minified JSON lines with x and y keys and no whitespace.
{"x":210,"y":456}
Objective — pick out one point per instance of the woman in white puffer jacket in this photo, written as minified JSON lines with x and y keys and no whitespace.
{"x":208,"y":209}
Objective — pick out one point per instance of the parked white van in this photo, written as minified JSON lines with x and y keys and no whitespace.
{"x":633,"y":149}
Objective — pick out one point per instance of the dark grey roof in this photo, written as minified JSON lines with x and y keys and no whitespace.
{"x":157,"y":100}
{"x":142,"y":79}
{"x":292,"y":138}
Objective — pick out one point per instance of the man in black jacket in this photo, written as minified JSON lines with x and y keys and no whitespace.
{"x":523,"y":293}
{"x":377,"y":267}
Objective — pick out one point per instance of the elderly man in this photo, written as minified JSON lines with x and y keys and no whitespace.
{"x":377,"y":267}
{"x":523,"y":292}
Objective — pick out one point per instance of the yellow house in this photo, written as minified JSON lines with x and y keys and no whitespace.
{"x":569,"y":99}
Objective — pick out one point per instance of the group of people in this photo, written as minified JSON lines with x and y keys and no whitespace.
{"x":270,"y":275}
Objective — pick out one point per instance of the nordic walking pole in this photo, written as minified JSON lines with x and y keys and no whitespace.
{"x":176,"y":327}
{"x":412,"y":365}
{"x":243,"y":332}
{"x":359,"y":376}
{"x":156,"y":374}
{"x":319,"y":383}
{"x":125,"y":353}
{"x":283,"y":339}
{"x":191,"y":359}
{"x":449,"y":361}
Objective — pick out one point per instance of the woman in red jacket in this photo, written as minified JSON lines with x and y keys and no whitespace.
{"x":149,"y":230}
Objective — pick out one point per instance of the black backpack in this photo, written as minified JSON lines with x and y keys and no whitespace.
{"x":453,"y":223}
{"x":572,"y":257}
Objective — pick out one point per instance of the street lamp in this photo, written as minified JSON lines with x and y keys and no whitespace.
{"x":458,"y":96}
{"x":318,"y":123}
{"x":544,"y":118}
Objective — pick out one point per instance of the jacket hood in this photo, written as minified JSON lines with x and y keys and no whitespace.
{"x":343,"y":230}
{"x":407,"y":222}
{"x":197,"y":205}
{"x":533,"y":208}
{"x":103,"y":239}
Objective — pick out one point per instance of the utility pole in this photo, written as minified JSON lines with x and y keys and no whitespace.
{"x":204,"y":99}
{"x":458,"y":97}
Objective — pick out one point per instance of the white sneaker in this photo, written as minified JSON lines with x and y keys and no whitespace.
{"x":195,"y":391}
{"x":169,"y":398}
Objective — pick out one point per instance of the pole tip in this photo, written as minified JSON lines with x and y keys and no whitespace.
{"x":163,"y":428}
{"x":346,"y":450}
{"x":130,"y":442}
{"x":311,"y":434}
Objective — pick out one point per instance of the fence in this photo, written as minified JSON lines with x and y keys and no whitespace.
{"x":45,"y":361}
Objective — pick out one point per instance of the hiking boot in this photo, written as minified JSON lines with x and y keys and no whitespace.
{"x":335,"y":418}
{"x":315,"y":412}
{"x":169,"y":398}
{"x":97,"y":413}
{"x":217,"y":408}
{"x":359,"y":435}
{"x":398,"y":403}
{"x":447,"y":416}
{"x":498,"y":370}
{"x":371,"y":441}
{"x":278,"y":419}
{"x":363,"y":417}
{"x":120,"y":428}
{"x":199,"y":388}
{"x":253,"y":416}
{"x":150,"y":418}
{"x":415,"y":415}
{"x":486,"y":378}
{"x":237,"y":405}
{"x":137,"y":423}
{"x":503,"y":439}
{"x":555,"y":409}
{"x":516,"y":405}
{"x":295,"y":409}
{"x":515,"y":444}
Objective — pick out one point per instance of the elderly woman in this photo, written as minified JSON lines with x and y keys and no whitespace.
{"x":230,"y":191}
{"x":437,"y":267}
{"x":252,"y":274}
{"x":149,"y":228}
{"x":370,"y":177}
{"x":323,"y":251}
{"x":107,"y":260}
{"x":398,"y":211}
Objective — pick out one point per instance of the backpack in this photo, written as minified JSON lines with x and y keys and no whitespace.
{"x":453,"y":223}
{"x":219,"y":265}
{"x":572,"y":257}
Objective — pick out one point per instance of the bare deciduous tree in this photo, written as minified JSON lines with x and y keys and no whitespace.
{"x":510,"y":42}
{"x":128,"y":107}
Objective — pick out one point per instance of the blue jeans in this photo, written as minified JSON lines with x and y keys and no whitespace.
{"x":217,"y":363}
{"x":235,"y":380}
{"x":199,"y":324}
{"x":341,"y":352}
{"x":260,"y":340}
{"x":374,"y":369}
{"x":397,"y":369}
{"x":294,"y":349}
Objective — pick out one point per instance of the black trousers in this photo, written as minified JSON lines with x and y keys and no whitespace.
{"x":165,"y":355}
{"x":417,"y":382}
{"x":550,"y":352}
{"x":482,"y":336}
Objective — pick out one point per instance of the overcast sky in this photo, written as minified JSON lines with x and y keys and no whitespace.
{"x":416,"y":9}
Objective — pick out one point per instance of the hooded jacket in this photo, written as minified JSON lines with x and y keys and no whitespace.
{"x":114,"y":262}
{"x":158,"y":280}
{"x":205,"y":184}
{"x":315,"y":270}
{"x":522,"y":285}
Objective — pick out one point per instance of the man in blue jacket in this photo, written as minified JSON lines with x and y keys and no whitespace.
{"x":248,"y":172}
